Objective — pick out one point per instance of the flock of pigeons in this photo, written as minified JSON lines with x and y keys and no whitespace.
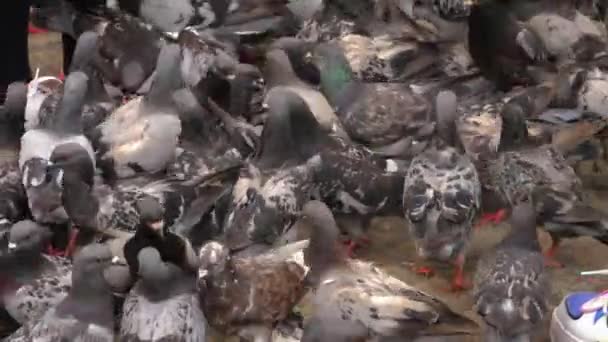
{"x":189,"y":137}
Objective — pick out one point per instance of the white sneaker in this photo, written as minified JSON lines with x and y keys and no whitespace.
{"x":581,"y":317}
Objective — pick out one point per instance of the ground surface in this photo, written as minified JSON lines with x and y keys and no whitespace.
{"x":391,"y":247}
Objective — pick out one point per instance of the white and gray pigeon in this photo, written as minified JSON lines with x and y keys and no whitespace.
{"x":142,"y":135}
{"x":163,"y":305}
{"x":37,"y":282}
{"x":511,"y":286}
{"x":42,"y":184}
{"x":356,"y":301}
{"x":86,"y":313}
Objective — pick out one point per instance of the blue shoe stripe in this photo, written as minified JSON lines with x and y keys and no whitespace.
{"x":575,"y":301}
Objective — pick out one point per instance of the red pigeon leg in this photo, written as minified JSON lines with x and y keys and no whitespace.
{"x":495,"y":218}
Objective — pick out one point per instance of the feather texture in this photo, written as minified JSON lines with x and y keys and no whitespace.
{"x":511,"y":285}
{"x":442,"y":196}
{"x":244,"y":292}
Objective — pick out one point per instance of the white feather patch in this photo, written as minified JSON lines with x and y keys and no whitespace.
{"x":41,"y":143}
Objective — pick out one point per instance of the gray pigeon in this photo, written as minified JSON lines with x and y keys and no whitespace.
{"x":279,"y":74}
{"x":40,"y":281}
{"x":142,"y":135}
{"x":511,"y":285}
{"x":86,"y":313}
{"x":163,"y":305}
{"x":356,"y":301}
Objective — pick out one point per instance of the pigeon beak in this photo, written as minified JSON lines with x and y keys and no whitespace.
{"x":12,"y":246}
{"x":157,"y":226}
{"x":308,"y":57}
{"x":115,"y":260}
{"x":265,"y":106}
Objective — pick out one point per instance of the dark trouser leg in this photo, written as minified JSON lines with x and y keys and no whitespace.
{"x":69,"y":44}
{"x":14,"y":61}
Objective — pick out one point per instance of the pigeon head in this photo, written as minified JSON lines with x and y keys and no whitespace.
{"x":92,"y":259}
{"x":523,"y":227}
{"x":167,"y":79}
{"x":151,"y":215}
{"x":321,"y":219}
{"x":27,"y":237}
{"x":291,"y":131}
{"x":73,"y":157}
{"x":85,"y":51}
{"x":214,"y":258}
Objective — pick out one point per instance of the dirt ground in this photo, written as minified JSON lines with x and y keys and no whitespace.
{"x":391,"y":247}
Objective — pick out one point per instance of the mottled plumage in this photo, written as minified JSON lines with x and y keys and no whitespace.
{"x":511,"y":286}
{"x":247,"y":296}
{"x":375,"y":114}
{"x":113,"y":210}
{"x":276,"y":183}
{"x":13,"y":201}
{"x":265,"y":203}
{"x":354,"y":300}
{"x":442,"y":194}
{"x":85,"y":314}
{"x":510,"y":41}
{"x":36,"y":282}
{"x":544,"y":175}
{"x":163,"y":305}
{"x":190,"y":165}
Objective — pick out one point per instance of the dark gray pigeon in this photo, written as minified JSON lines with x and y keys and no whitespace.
{"x":86,"y":313}
{"x":511,"y":285}
{"x":279,"y":74}
{"x":163,"y":305}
